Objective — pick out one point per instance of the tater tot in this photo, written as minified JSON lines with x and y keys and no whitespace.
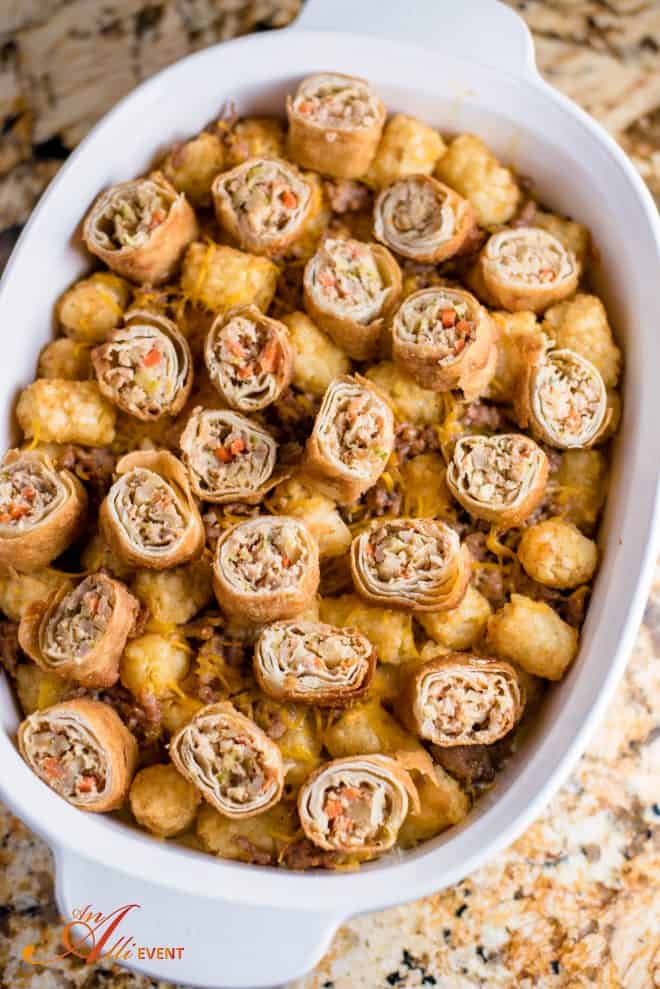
{"x":298,"y":498}
{"x":555,"y":553}
{"x":295,"y":731}
{"x":571,"y":234}
{"x":424,"y":488}
{"x":581,"y":487}
{"x":153,"y":664}
{"x":516,"y":333}
{"x":409,"y":402}
{"x":442,"y":805}
{"x":19,"y":590}
{"x":531,"y":634}
{"x":317,"y":360}
{"x":367,"y":728}
{"x":90,"y":309}
{"x":52,"y":410}
{"x":64,"y":358}
{"x":38,"y":689}
{"x":462,"y":627}
{"x":254,"y":137}
{"x":581,"y":324}
{"x":177,"y":711}
{"x":163,"y":801}
{"x":390,"y":632}
{"x":257,"y":839}
{"x":473,"y":171}
{"x":407,"y":147}
{"x":175,"y":596}
{"x":192,"y":165}
{"x":218,"y":277}
{"x":96,"y":554}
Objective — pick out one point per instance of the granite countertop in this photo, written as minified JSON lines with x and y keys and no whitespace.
{"x":575,"y":903}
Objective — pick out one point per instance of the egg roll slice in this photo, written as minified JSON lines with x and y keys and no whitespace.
{"x":83,"y":751}
{"x":42,"y":510}
{"x":356,"y":804}
{"x":335,"y":124}
{"x":80,"y":633}
{"x":145,"y":367}
{"x":352,"y":439}
{"x":463,"y":699}
{"x":140,"y":229}
{"x":266,"y":569}
{"x":313,"y":663}
{"x":410,"y":564}
{"x":228,"y":457}
{"x":350,"y":289}
{"x":445,"y":340}
{"x":562,"y":399}
{"x":233,"y":763}
{"x":249,"y":358}
{"x":263,"y":204}
{"x":500,"y":479}
{"x":422,"y":219}
{"x":527,"y":268}
{"x":149,"y":517}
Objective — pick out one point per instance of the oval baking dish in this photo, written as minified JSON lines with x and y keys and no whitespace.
{"x":248,"y":926}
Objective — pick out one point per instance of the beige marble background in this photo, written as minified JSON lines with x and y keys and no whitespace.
{"x":575,"y":903}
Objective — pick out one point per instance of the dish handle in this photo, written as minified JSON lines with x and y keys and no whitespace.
{"x":197,"y":941}
{"x":485,"y":30}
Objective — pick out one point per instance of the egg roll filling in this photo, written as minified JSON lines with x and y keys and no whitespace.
{"x":457,"y":706}
{"x":409,"y":553}
{"x":130,"y":217}
{"x":436,"y":319}
{"x":569,"y":398}
{"x":147,"y":510}
{"x":141,"y":368}
{"x":264,"y":557}
{"x":336,"y":102}
{"x":352,"y":434}
{"x":231,"y":762}
{"x":225,"y":452}
{"x":244,"y":356}
{"x":316,"y":655}
{"x":415,"y":215}
{"x":268,"y":197}
{"x":495,"y":470}
{"x":345,"y":277}
{"x":354,"y":813}
{"x":69,"y":758}
{"x":29,"y":492}
{"x":530,"y":256}
{"x":79,"y":620}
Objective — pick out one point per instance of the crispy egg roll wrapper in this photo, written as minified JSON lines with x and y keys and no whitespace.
{"x":266,"y":569}
{"x":249,"y":358}
{"x":445,"y":340}
{"x":352,"y":439}
{"x":313,"y":663}
{"x":149,"y":517}
{"x":42,"y":510}
{"x":356,"y":804}
{"x":145,"y":367}
{"x":462,"y":699}
{"x":562,"y":399}
{"x":526,"y":268}
{"x":233,"y":763}
{"x":140,"y":229}
{"x":80,"y":633}
{"x":500,"y":479}
{"x":263,"y":204}
{"x":228,"y":457}
{"x":410,"y":565}
{"x":335,"y":124}
{"x":422,"y":219}
{"x":350,"y":290}
{"x":83,"y":751}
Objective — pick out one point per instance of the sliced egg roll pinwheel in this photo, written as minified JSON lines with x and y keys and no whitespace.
{"x":145,"y":367}
{"x":410,"y":564}
{"x":526,"y":268}
{"x":422,"y":219}
{"x":266,"y":569}
{"x":500,"y":479}
{"x":140,"y":229}
{"x":263,"y":204}
{"x":445,"y":340}
{"x":249,"y":358}
{"x":233,"y":763}
{"x":562,"y":399}
{"x":80,"y":634}
{"x":350,"y":289}
{"x":463,"y":699}
{"x":313,"y":663}
{"x":82,"y":750}
{"x":335,"y":124}
{"x":352,"y":439}
{"x":149,"y":517}
{"x":228,"y":457}
{"x":42,"y":510}
{"x":356,"y":804}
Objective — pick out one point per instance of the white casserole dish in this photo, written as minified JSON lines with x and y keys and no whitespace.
{"x":460,"y":67}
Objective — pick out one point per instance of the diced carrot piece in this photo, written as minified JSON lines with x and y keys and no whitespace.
{"x":463,"y":326}
{"x":87,"y":784}
{"x":286,"y":562}
{"x":29,"y":493}
{"x":236,"y":446}
{"x":352,"y":793}
{"x":152,"y":357}
{"x":17,"y":512}
{"x":333,"y":808}
{"x":327,"y":280}
{"x":52,"y":767}
{"x":223,"y":455}
{"x":268,"y":358}
{"x":305,"y":107}
{"x":245,"y":372}
{"x":289,"y":199}
{"x":448,"y":317}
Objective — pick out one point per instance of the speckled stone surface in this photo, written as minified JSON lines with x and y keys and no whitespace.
{"x":575,"y":903}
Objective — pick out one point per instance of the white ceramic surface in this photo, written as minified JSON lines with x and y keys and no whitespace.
{"x":460,"y":66}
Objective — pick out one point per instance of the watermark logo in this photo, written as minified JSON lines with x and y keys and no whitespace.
{"x":92,"y":936}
